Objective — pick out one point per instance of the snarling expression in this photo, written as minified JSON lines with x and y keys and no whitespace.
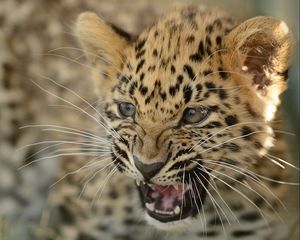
{"x":189,"y":96}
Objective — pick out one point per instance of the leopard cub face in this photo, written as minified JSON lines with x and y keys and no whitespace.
{"x":189,"y":102}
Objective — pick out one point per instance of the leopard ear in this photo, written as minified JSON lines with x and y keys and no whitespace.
{"x":260,"y":50}
{"x":102,"y":42}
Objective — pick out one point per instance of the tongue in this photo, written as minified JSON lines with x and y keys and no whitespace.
{"x":167,"y":197}
{"x":169,"y":190}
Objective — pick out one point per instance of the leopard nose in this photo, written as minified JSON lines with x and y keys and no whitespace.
{"x":147,"y":170}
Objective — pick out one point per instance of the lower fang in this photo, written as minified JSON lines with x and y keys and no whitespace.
{"x":138,"y":183}
{"x":150,"y":206}
{"x":177,"y":210}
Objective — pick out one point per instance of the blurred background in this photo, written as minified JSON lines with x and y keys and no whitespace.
{"x":36,"y":45}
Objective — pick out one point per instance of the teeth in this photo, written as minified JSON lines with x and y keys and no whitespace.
{"x":177,"y":210}
{"x":164,"y":212}
{"x":138,"y":183}
{"x":150,"y":206}
{"x":176,"y":187}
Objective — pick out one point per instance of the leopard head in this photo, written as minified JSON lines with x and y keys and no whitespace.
{"x":189,"y":105}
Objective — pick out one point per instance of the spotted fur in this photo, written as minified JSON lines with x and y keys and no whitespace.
{"x":192,"y":57}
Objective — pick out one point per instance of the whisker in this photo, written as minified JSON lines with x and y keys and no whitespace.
{"x":203,"y":140}
{"x":93,"y":176}
{"x":81,"y":98}
{"x":203,"y":221}
{"x":55,"y":156}
{"x":72,"y":104}
{"x":87,"y":165}
{"x":102,"y":186}
{"x":212,"y":198}
{"x":242,"y":194}
{"x":84,"y":133}
{"x":182,"y":197}
{"x":215,"y":204}
{"x":283,"y":161}
{"x":222,"y":199}
{"x":254,"y":179}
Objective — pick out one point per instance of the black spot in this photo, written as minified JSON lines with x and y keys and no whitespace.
{"x":210,"y":86}
{"x":188,"y":69}
{"x":140,"y":54}
{"x":209,"y":233}
{"x":108,"y":211}
{"x":124,"y":79}
{"x":209,"y":29}
{"x":231,"y":120}
{"x":213,"y":108}
{"x":246,"y":132}
{"x":219,"y":40}
{"x":179,"y":79}
{"x":172,"y":91}
{"x":84,"y":236}
{"x":216,"y":221}
{"x":259,"y":202}
{"x":250,"y":216}
{"x":222,"y":73}
{"x":113,"y":194}
{"x":232,"y":147}
{"x":187,"y":93}
{"x":128,"y":209}
{"x":102,"y":228}
{"x":213,"y":124}
{"x":199,"y":87}
{"x":236,"y":207}
{"x":222,"y":94}
{"x":208,"y":41}
{"x":201,"y":48}
{"x":227,"y":161}
{"x":144,"y":90}
{"x":132,"y":88}
{"x":237,"y":100}
{"x":163,"y":96}
{"x":242,"y":233}
{"x":130,"y":222}
{"x":258,"y":145}
{"x":173,"y":70}
{"x":207,"y":72}
{"x":251,"y":111}
{"x":140,"y":65}
{"x":155,"y":53}
{"x":66,"y":215}
{"x":190,"y":39}
{"x":140,"y":45}
{"x":196,"y":57}
{"x":142,"y":77}
{"x":156,"y":34}
{"x":147,"y":100}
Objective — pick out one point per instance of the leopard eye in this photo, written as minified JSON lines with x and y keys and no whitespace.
{"x":194,"y":115}
{"x":126,"y":109}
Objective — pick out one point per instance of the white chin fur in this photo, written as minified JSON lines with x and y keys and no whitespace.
{"x":178,"y":226}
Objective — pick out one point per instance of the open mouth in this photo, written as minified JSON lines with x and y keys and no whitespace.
{"x":170,"y":203}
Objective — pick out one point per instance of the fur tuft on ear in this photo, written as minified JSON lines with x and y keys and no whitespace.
{"x":104,"y":45}
{"x":261,"y":49}
{"x":101,"y":41}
